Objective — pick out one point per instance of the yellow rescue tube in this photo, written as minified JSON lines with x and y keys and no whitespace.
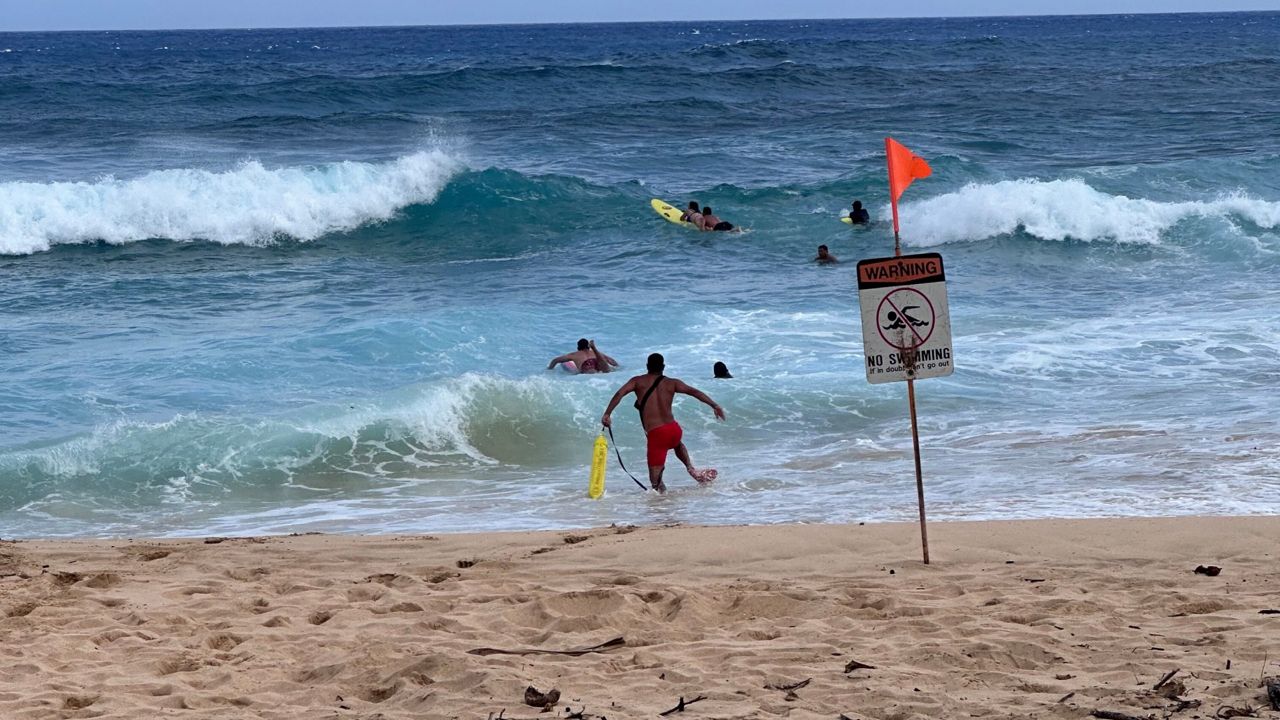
{"x":599,"y":460}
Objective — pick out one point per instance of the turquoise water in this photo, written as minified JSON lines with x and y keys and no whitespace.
{"x":289,"y":280}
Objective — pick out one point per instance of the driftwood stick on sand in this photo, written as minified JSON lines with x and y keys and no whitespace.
{"x":788,"y":688}
{"x":1110,"y":715}
{"x":602,"y":647}
{"x":680,"y":706}
{"x":1165,"y":679}
{"x":504,"y":716}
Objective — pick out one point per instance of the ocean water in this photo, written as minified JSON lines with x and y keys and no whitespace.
{"x":290,"y":280}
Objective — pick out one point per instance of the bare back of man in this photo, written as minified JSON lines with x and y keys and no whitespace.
{"x":587,"y":359}
{"x":655,"y":394}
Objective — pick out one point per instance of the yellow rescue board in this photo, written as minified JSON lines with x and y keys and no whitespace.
{"x":670,"y":213}
{"x":599,"y":460}
{"x":846,"y":220}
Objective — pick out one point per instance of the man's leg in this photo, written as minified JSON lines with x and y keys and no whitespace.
{"x":682,"y":453}
{"x":655,"y":478}
{"x":702,"y":476}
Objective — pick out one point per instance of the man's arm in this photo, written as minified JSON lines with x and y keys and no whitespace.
{"x":628,"y":386}
{"x":694,"y":392}
{"x":602,"y":360}
{"x":557,"y":361}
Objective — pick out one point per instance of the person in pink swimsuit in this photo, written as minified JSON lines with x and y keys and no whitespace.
{"x":585,"y":360}
{"x":655,"y":393}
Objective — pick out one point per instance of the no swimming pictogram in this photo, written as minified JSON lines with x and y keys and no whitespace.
{"x":905,"y":318}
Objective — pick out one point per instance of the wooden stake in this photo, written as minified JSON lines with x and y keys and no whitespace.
{"x":915,"y":444}
{"x":910,"y":362}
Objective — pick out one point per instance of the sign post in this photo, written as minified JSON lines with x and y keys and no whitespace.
{"x":906,"y":333}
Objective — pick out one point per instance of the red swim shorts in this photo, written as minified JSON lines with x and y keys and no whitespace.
{"x":661,"y":440}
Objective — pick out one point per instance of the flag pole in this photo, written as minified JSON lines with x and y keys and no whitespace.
{"x":909,"y":360}
{"x":893,"y":199}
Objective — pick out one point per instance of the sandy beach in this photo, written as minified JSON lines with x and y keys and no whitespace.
{"x":1048,"y":619}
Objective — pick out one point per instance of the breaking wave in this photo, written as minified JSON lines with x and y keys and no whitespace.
{"x":1066,"y":209}
{"x":248,"y":205}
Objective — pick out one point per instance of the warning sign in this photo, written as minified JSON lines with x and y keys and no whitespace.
{"x":906,"y":331}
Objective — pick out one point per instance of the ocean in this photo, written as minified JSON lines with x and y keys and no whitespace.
{"x":272,"y":281}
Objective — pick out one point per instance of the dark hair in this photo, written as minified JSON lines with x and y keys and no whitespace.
{"x":583,"y":344}
{"x":857,"y":204}
{"x":720,"y":370}
{"x":706,"y":209}
{"x":656,"y":364}
{"x":693,"y":205}
{"x":823,"y":247}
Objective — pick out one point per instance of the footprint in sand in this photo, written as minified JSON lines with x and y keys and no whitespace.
{"x":223,"y":641}
{"x":79,"y":702}
{"x":146,"y":553}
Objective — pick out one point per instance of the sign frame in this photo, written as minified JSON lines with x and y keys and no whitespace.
{"x":893,"y":347}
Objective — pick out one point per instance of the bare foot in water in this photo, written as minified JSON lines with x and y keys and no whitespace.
{"x":704,"y":476}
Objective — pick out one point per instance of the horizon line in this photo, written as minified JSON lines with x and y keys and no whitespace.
{"x":633,"y":22}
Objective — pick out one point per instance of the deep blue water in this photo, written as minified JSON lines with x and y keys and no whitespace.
{"x":282,"y":280}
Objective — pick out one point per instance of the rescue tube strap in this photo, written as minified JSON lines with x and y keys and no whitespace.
{"x":614,"y":443}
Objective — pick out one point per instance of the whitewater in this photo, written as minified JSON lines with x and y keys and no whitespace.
{"x":246,"y":205}
{"x":292,"y":280}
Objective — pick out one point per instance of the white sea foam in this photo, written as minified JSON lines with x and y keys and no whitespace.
{"x":1065,"y":209}
{"x":251,"y":204}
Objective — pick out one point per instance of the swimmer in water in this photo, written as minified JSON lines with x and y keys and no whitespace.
{"x":586,"y":360}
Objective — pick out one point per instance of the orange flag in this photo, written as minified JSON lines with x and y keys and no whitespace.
{"x":903,"y":168}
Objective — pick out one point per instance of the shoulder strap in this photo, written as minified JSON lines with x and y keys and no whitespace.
{"x":640,"y":405}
